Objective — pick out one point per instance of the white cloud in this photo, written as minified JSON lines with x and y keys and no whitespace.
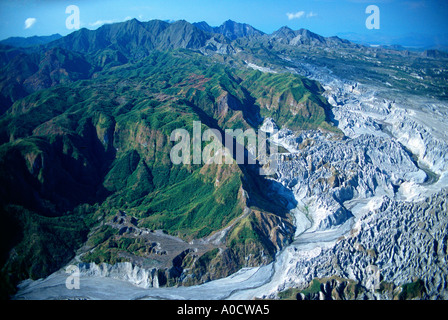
{"x":101,"y":22}
{"x":296,"y":15}
{"x":300,"y":14}
{"x":30,"y":22}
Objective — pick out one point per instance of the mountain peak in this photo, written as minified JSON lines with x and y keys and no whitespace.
{"x":202,"y":23}
{"x":285,"y":28}
{"x":284,"y":31}
{"x":181,"y":21}
{"x":234,"y":30}
{"x":301,"y":37}
{"x":179,"y":25}
{"x":30,"y":41}
{"x":306,"y":32}
{"x":229,"y":21}
{"x":183,"y":24}
{"x":129,"y":23}
{"x":204,"y":26}
{"x":309,"y":34}
{"x":231,"y":29}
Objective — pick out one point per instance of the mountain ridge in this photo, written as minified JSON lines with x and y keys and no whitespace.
{"x":119,"y":43}
{"x":24,"y":42}
{"x":230,"y":29}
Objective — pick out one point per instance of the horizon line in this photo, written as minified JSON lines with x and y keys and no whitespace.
{"x":338,"y":35}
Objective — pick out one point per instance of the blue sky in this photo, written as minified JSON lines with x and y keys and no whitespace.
{"x":326,"y":17}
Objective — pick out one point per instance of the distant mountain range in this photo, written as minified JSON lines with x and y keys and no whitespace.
{"x":411,"y":41}
{"x":234,"y":30}
{"x":84,"y":52}
{"x":162,"y":35}
{"x":30,"y":41}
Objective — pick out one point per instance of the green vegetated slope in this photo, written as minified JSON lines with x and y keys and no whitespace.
{"x":75,"y":154}
{"x":292,"y":101}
